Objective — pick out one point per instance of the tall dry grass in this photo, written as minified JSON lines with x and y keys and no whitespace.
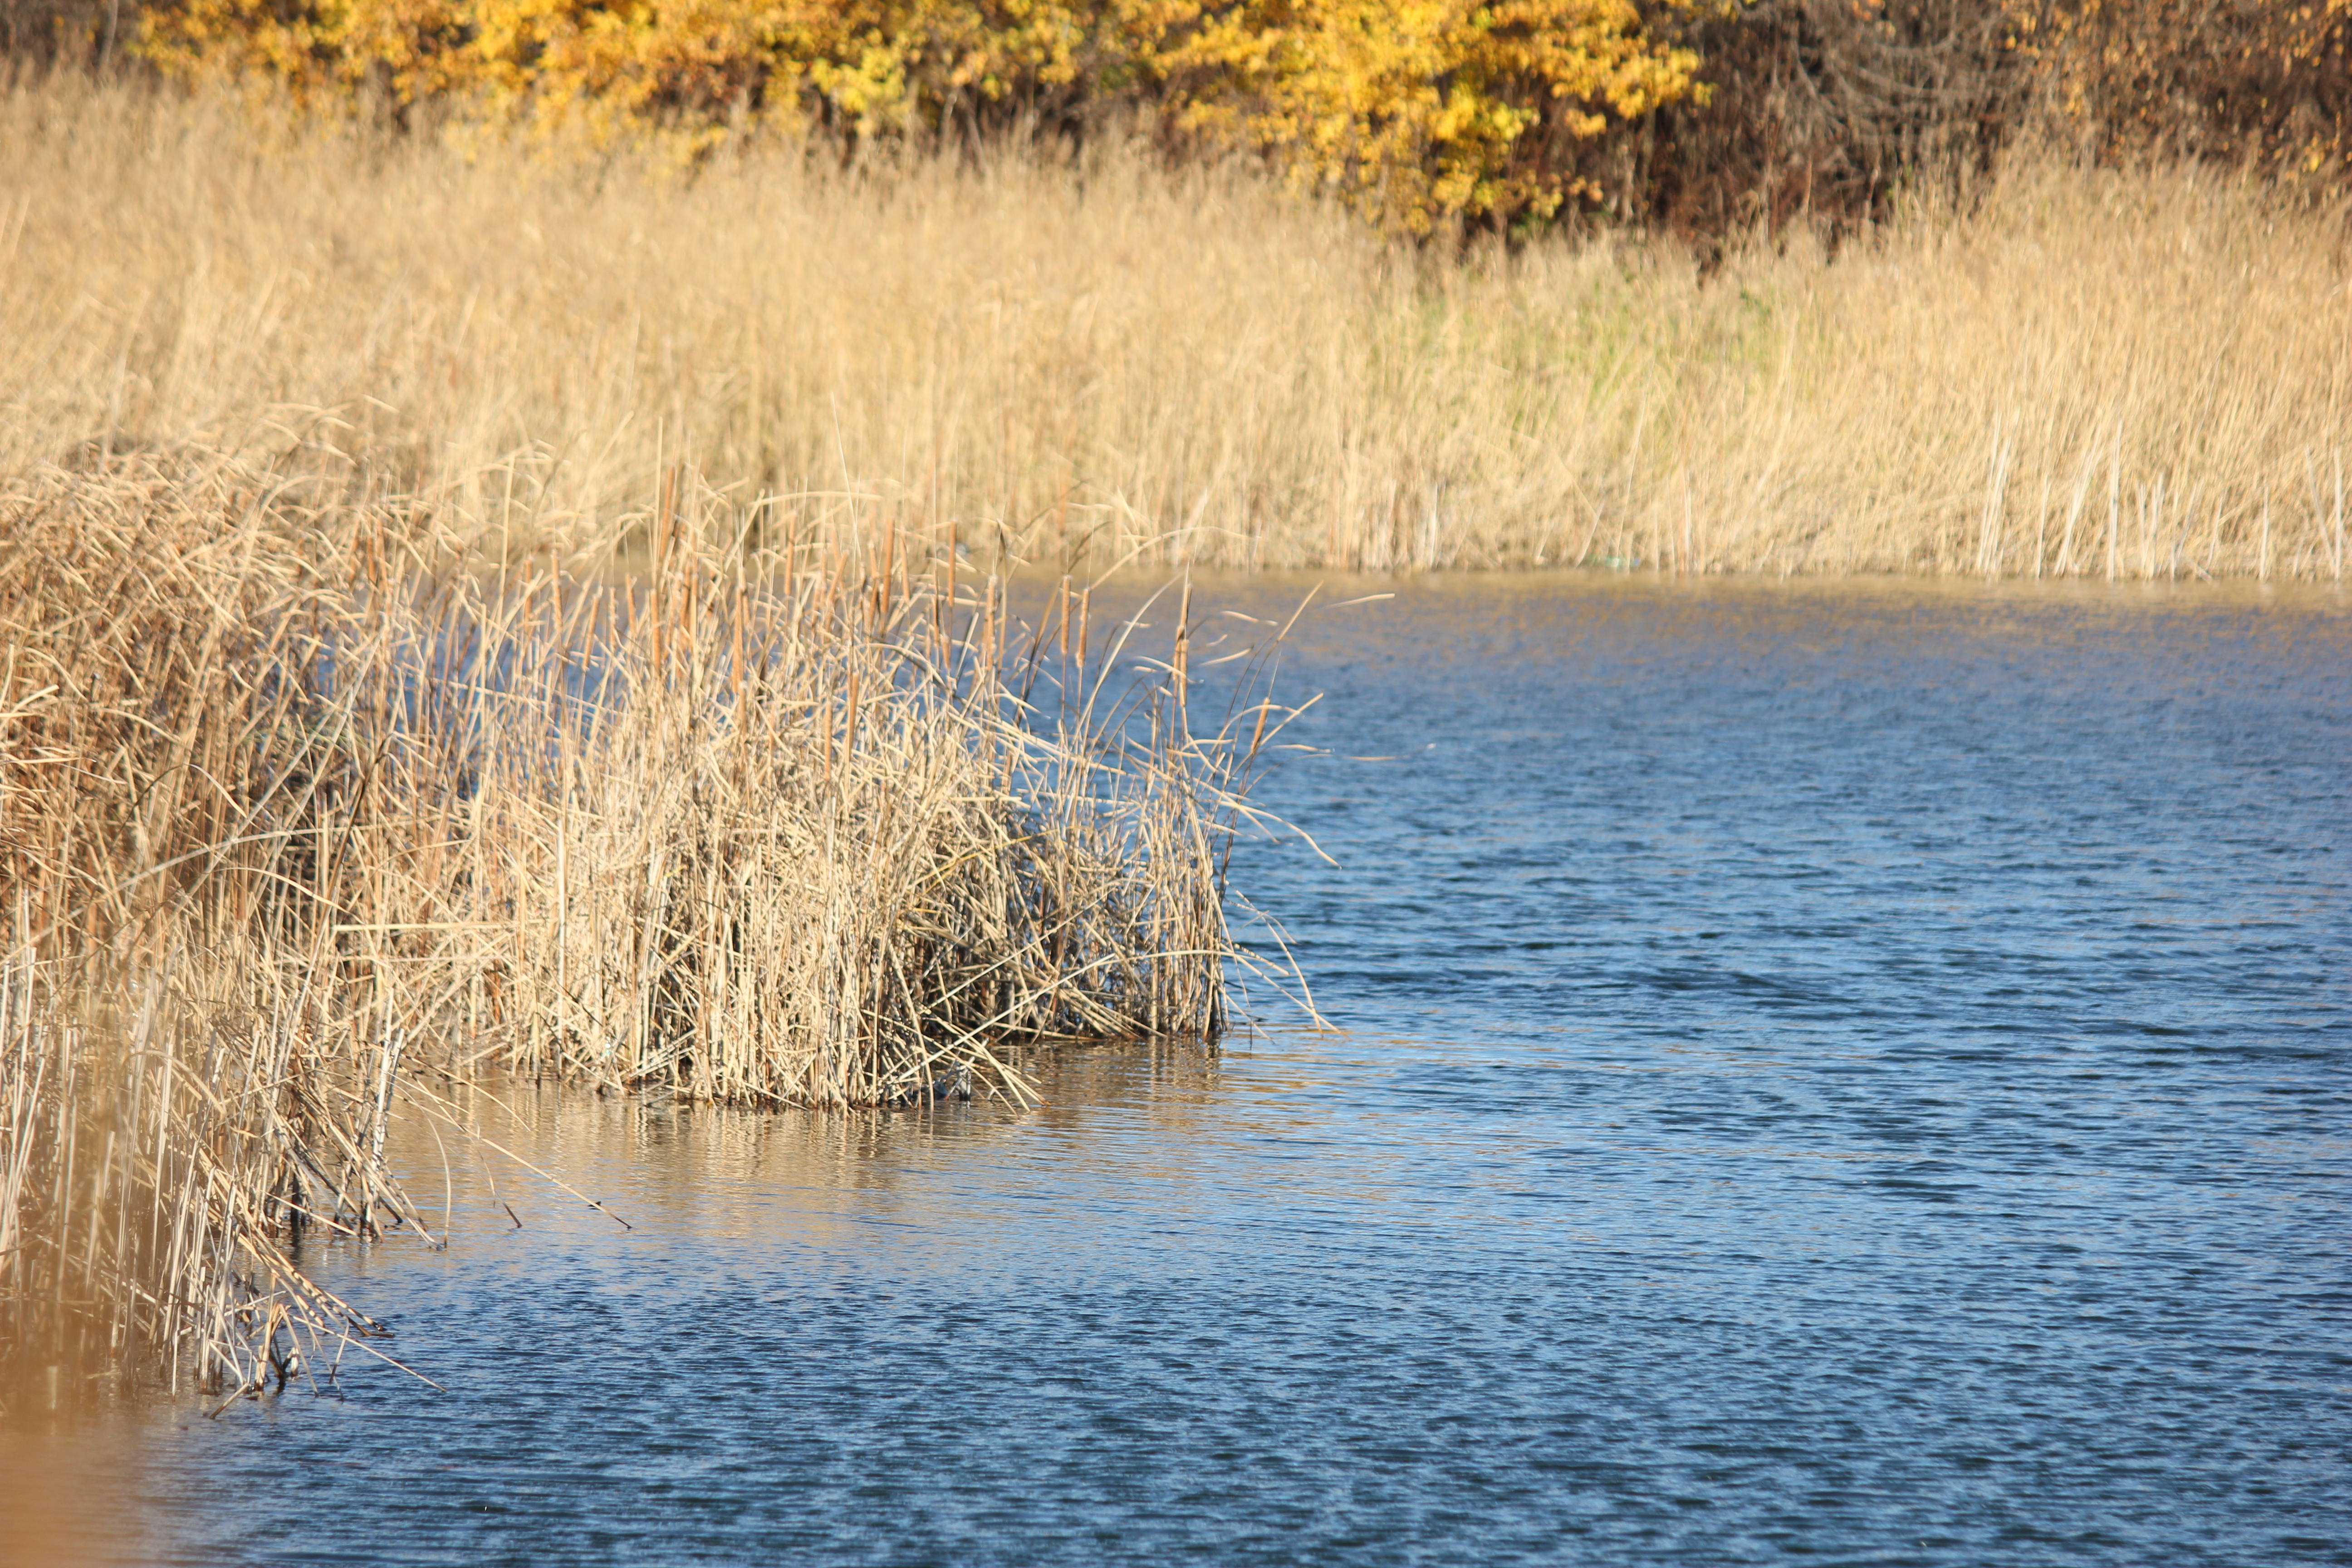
{"x":171,"y":1113}
{"x":298,"y":816}
{"x":2081,"y":373}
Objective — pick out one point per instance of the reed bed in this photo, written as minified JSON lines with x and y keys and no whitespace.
{"x":750,"y":804}
{"x":2072,"y":372}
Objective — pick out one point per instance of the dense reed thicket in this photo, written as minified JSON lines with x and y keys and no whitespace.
{"x":305,"y":805}
{"x":2075,"y":373}
{"x":165,"y":1113}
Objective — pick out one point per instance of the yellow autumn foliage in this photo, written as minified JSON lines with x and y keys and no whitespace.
{"x":1413,"y":111}
{"x":1416,"y":112}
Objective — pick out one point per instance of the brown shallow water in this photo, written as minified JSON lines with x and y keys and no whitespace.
{"x":1846,"y":1074}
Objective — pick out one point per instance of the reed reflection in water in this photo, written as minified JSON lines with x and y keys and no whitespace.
{"x":1834,"y":1073}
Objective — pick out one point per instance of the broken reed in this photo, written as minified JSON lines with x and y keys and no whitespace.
{"x":300,"y":809}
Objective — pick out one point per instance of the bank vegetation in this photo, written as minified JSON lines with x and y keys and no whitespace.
{"x":2056,"y":369}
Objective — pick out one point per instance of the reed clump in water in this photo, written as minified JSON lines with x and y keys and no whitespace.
{"x":2074,"y":373}
{"x":303,"y":806}
{"x":181,"y":1097}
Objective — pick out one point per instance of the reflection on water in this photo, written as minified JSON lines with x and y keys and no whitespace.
{"x":65,"y":1460}
{"x":1857,"y":1075}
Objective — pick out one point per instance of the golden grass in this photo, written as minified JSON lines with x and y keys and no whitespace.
{"x":295,"y":819}
{"x":2084,"y":373}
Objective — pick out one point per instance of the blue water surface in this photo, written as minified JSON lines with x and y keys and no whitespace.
{"x":1828,"y":1073}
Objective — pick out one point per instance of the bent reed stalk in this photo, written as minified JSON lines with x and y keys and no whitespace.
{"x":302,"y":800}
{"x":2073,"y":374}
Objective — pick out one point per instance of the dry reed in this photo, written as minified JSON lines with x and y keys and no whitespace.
{"x":2077,"y":374}
{"x":296,"y":815}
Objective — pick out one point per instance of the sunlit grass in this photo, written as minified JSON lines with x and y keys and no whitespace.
{"x":2079,"y":373}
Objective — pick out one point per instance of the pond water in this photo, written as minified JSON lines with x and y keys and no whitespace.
{"x":1849,"y":1074}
